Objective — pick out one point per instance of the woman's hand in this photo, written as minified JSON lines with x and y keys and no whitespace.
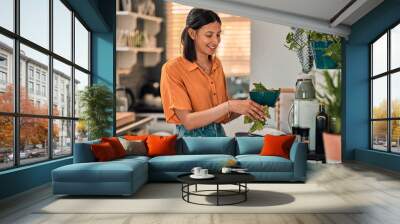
{"x":247,"y":107}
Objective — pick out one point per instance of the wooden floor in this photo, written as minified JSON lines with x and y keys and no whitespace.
{"x":378,"y":188}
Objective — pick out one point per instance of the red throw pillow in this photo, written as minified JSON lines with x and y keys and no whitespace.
{"x":161,"y":145}
{"x":277,"y":145}
{"x":103,"y":151}
{"x":136,"y":137}
{"x":116,"y":145}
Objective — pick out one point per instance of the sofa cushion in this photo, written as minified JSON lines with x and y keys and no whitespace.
{"x":257,"y":163}
{"x":116,"y":145}
{"x":103,"y":152}
{"x":206,"y":145}
{"x":112,"y":171}
{"x":136,"y":137}
{"x":185,"y":163}
{"x":134,"y":147}
{"x":277,"y":145}
{"x":161,"y":145}
{"x":249,"y":145}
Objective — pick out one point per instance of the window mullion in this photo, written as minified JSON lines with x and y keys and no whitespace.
{"x":73,"y":82}
{"x":50,"y":81}
{"x":389,"y":106}
{"x":16,"y":84}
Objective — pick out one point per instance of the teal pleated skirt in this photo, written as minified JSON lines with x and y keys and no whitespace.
{"x":211,"y":130}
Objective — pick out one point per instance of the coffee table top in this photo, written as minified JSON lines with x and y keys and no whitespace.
{"x":220,"y":178}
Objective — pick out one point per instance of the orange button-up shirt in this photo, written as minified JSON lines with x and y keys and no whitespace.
{"x":185,"y":86}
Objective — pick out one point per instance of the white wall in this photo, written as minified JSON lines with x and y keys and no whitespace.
{"x":271,"y":63}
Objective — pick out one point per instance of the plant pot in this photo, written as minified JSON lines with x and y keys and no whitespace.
{"x":268,"y":97}
{"x":333,"y":147}
{"x":321,"y":60}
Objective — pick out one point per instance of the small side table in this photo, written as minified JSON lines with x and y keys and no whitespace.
{"x":238,"y":179}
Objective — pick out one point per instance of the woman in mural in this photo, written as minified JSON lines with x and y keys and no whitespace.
{"x":193,"y":88}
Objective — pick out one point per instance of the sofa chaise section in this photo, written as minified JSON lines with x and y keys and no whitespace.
{"x":87,"y":177}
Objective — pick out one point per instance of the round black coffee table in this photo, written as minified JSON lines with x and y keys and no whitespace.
{"x":238,"y":179}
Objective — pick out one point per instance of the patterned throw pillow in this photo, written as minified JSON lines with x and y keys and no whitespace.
{"x":134,"y":147}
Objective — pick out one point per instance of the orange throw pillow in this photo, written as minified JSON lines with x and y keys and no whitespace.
{"x":136,"y":137}
{"x":116,"y":145}
{"x":161,"y":145}
{"x":103,"y":152}
{"x":277,"y":145}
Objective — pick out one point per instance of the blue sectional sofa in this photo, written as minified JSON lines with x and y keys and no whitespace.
{"x":125,"y":176}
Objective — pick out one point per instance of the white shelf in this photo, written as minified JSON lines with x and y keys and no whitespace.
{"x":140,"y":16}
{"x":127,"y":56}
{"x":141,"y":49}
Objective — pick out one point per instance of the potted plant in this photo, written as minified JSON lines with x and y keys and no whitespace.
{"x":326,"y":47}
{"x":331,"y":98}
{"x":96,"y":102}
{"x":265,"y":97}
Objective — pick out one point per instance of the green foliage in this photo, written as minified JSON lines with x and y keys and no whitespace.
{"x":96,"y":102}
{"x":331,"y":96}
{"x":257,"y":124}
{"x":293,"y":43}
{"x":259,"y":87}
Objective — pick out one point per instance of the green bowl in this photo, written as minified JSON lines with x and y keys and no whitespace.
{"x":265,"y":98}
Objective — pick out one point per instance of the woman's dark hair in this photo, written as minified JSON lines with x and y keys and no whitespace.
{"x":196,"y":19}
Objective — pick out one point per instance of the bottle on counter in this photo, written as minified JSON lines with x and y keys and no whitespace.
{"x":321,"y":125}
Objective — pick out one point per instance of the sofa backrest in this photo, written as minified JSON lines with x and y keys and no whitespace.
{"x":206,"y":145}
{"x":83,"y":152}
{"x":249,"y":145}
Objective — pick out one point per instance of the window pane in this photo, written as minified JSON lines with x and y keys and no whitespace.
{"x":395,"y":138}
{"x":379,"y":135}
{"x":81,"y":45}
{"x":379,"y":55}
{"x":34,"y":72}
{"x":81,"y":81}
{"x":7,"y":14}
{"x":33,"y":139}
{"x":379,"y":98}
{"x":6,"y":142}
{"x":395,"y":94}
{"x":35,"y":21}
{"x":395,"y":47}
{"x":62,"y":29}
{"x":62,"y":141}
{"x":62,"y":89}
{"x":6,"y":74}
{"x":81,"y":131}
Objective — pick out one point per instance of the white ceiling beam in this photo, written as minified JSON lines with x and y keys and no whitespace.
{"x":269,"y":15}
{"x":348,"y":12}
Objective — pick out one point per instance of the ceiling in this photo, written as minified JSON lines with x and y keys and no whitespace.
{"x":328,"y":16}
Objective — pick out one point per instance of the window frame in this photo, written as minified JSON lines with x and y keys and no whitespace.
{"x":388,"y":74}
{"x":16,"y":114}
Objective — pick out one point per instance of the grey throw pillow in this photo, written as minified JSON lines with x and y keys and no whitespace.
{"x":134,"y":147}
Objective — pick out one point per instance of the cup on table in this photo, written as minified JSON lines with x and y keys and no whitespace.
{"x":226,"y":170}
{"x":203,"y":172}
{"x":196,"y":171}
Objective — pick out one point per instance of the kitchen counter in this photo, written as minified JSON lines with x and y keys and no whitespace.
{"x":139,"y":123}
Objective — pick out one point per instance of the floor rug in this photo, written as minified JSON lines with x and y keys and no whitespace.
{"x":167,"y":198}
